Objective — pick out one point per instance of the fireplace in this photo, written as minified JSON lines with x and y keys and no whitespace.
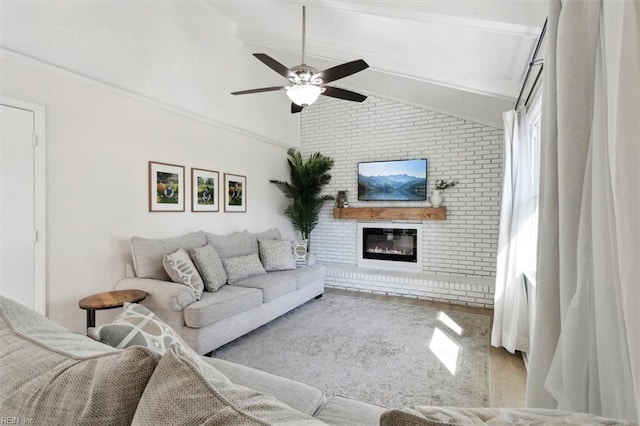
{"x":394,"y":244}
{"x":389,"y":245}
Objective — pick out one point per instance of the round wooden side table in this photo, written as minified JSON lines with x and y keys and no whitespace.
{"x":108,"y":300}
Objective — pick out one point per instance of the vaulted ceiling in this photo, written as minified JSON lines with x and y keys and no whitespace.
{"x":466,"y":58}
{"x":462,"y":57}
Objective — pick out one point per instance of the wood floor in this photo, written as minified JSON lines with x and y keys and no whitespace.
{"x":508,"y":373}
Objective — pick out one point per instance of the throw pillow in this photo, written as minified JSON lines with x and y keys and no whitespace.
{"x":185,"y":391}
{"x":46,"y":381}
{"x":182,"y":271}
{"x":241,"y":267}
{"x":208,"y":262}
{"x":299,"y":252}
{"x":276,"y":255}
{"x":138,"y":326}
{"x":408,"y":416}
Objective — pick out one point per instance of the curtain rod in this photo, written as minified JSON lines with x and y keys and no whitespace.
{"x":534,"y":61}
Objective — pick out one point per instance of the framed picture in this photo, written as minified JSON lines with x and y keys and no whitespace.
{"x":166,"y":187}
{"x":235,"y":193}
{"x":205,"y":186}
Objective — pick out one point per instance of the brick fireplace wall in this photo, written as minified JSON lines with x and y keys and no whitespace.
{"x":459,"y":255}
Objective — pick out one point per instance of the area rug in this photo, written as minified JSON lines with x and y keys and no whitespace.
{"x":385,"y":353}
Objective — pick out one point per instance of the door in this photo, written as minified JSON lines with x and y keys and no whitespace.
{"x":22,"y":204}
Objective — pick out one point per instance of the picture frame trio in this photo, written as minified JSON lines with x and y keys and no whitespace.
{"x":167,"y":189}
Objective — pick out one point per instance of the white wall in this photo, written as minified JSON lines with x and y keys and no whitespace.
{"x":465,"y":243}
{"x":99,"y":142}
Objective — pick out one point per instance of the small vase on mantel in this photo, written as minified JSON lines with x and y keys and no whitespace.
{"x":436,"y":198}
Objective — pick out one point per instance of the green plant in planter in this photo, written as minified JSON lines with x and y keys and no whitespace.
{"x":443,"y":184}
{"x":308,"y":177}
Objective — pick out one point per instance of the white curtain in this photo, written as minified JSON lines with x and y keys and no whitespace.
{"x":517,"y":236}
{"x":586,"y":346}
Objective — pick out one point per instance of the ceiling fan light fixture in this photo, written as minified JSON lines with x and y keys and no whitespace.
{"x":304,"y":94}
{"x":307,"y":83}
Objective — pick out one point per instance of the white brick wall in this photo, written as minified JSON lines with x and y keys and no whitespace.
{"x":381,"y":129}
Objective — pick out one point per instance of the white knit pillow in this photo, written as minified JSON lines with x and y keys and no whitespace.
{"x":276,"y":255}
{"x":241,"y":267}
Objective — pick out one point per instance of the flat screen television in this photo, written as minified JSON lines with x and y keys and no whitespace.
{"x":396,"y":180}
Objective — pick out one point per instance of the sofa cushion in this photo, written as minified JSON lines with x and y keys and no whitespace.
{"x":47,"y":332}
{"x":240,"y":243}
{"x":275,"y":255}
{"x":184,"y":391}
{"x":304,"y":276}
{"x":137,"y":326}
{"x":300,"y":396}
{"x":233,"y":245}
{"x":241,"y":267}
{"x":148,"y":252}
{"x":227,"y":301}
{"x":271,"y":234}
{"x":208,"y":262}
{"x":349,"y":412}
{"x":272,"y":286}
{"x":45,"y":383}
{"x":181,"y":270}
{"x":440,"y":416}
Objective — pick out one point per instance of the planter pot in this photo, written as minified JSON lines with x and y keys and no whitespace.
{"x":311,"y":259}
{"x":436,"y":198}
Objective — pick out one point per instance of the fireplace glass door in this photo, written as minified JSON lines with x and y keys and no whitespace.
{"x":392,"y":244}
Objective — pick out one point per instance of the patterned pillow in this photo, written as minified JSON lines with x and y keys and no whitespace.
{"x":182,"y":271}
{"x":138,"y":326}
{"x":241,"y":267}
{"x":208,"y":262}
{"x":276,"y":255}
{"x":299,"y":252}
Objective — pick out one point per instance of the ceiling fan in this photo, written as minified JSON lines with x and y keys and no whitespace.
{"x":307,"y":83}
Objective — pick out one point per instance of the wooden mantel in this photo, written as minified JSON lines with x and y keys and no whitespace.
{"x":389,"y":213}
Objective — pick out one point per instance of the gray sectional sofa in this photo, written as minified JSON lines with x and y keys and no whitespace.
{"x":52,"y":376}
{"x":232,"y":310}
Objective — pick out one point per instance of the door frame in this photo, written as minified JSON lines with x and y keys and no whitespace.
{"x":39,"y":197}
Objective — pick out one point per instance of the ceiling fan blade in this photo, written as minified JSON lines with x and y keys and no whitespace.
{"x":264,"y":89}
{"x":348,"y":95}
{"x":341,"y":71}
{"x":295,"y":108}
{"x":276,"y":66}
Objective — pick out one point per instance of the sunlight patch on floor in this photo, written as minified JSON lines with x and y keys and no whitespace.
{"x":446,"y":320}
{"x":446,"y":349}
